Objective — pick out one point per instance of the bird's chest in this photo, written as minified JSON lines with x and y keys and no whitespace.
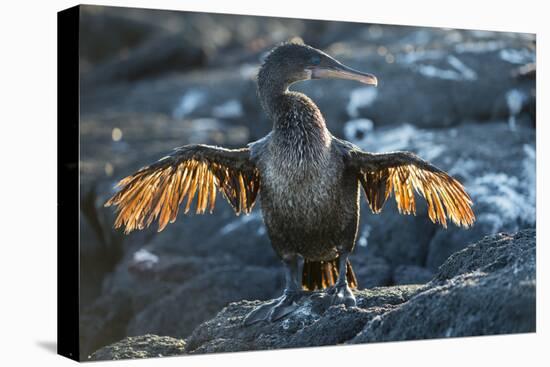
{"x":300,"y":190}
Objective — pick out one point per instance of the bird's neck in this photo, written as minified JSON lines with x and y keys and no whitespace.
{"x":289,"y":109}
{"x":272,"y":91}
{"x":299,"y":129}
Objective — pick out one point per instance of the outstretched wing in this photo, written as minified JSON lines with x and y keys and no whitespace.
{"x":191,"y":171}
{"x":400,"y":173}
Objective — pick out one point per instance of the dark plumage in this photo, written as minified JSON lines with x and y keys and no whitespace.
{"x":308,"y":182}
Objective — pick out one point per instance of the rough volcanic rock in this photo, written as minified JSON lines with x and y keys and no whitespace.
{"x":145,"y":346}
{"x":205,"y":294}
{"x":411,"y":274}
{"x":487,"y":288}
{"x":371,"y":271}
{"x":165,"y":53}
{"x":430,"y":77}
{"x":107,"y":32}
{"x":315,"y":322}
{"x":427,"y":76}
{"x":104,"y":321}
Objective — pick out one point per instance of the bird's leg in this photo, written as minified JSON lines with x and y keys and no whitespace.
{"x":293,"y":267}
{"x":285,"y":304}
{"x":341,"y":293}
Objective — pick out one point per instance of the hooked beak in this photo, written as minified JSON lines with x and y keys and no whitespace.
{"x":340,"y":71}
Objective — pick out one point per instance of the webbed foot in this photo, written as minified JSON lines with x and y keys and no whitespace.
{"x":274,"y":310}
{"x":342,"y":294}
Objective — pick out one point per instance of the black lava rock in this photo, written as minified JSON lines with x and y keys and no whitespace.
{"x":145,"y":346}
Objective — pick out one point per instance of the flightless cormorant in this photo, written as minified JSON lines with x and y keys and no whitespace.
{"x":308,"y":181}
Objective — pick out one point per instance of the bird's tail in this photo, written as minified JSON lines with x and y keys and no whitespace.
{"x":323,"y":274}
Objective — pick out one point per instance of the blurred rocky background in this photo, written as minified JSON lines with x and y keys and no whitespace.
{"x":154,"y":80}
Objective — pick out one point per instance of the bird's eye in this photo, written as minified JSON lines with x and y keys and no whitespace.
{"x":315,"y":60}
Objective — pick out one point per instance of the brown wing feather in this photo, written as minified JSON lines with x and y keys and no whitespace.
{"x":156,"y":192}
{"x":402,"y":174}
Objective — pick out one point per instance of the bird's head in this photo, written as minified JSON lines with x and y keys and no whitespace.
{"x":293,"y":62}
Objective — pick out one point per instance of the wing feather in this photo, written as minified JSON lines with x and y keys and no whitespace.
{"x":403,"y":174}
{"x":192,"y":173}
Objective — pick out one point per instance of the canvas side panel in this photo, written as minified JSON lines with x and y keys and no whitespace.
{"x":68,"y":183}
